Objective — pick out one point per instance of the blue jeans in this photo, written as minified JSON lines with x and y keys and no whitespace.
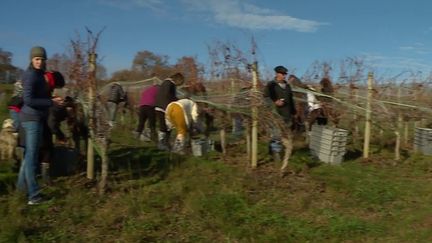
{"x":15,"y":118}
{"x":27,"y":173}
{"x":276,"y":146}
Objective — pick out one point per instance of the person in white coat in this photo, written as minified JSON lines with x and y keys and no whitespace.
{"x":315,"y":111}
{"x":183,"y":116}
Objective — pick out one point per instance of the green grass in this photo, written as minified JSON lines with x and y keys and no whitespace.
{"x":155,"y":196}
{"x":203,"y":200}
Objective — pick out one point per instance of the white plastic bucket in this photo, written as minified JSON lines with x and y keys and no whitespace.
{"x":199,"y":147}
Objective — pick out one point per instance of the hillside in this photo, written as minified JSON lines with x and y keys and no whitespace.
{"x":157,"y":197}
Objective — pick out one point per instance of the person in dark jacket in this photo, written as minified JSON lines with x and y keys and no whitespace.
{"x":280,"y":93}
{"x":327,"y":102}
{"x":54,"y":80}
{"x":116,"y":95}
{"x":58,"y":114}
{"x":33,"y":115}
{"x":166,"y":95}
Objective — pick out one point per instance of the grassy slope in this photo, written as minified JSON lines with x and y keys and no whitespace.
{"x":155,"y":197}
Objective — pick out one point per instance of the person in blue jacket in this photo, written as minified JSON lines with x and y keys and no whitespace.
{"x":33,"y":115}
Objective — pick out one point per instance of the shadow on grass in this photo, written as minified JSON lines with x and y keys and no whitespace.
{"x":136,"y":162}
{"x":125,"y":163}
{"x":65,"y":162}
{"x":8,"y":176}
{"x":353,"y":154}
{"x":303,"y":157}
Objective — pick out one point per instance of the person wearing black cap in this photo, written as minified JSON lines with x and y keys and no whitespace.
{"x":280,"y":93}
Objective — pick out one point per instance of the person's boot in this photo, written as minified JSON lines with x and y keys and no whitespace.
{"x":276,"y":157}
{"x":136,"y":134}
{"x":45,"y":171}
{"x":145,"y":136}
{"x":163,"y":141}
{"x":276,"y":149}
{"x":154,"y":136}
{"x":179,"y":146}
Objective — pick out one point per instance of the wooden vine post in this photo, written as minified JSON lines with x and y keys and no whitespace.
{"x":398,"y":126}
{"x":248,"y":141}
{"x":355,"y":115}
{"x":368,"y":117}
{"x":406,"y":132}
{"x":91,"y":95}
{"x":417,"y":122}
{"x":254,"y":136}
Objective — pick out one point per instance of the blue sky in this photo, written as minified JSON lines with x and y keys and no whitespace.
{"x":391,"y":36}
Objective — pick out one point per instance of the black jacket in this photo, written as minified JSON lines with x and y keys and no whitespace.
{"x":275,"y":92}
{"x":166,"y":94}
{"x":116,"y":94}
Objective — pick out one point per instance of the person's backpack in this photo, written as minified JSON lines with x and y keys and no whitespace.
{"x":117,"y":94}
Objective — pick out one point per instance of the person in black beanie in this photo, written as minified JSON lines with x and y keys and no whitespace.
{"x":33,"y":116}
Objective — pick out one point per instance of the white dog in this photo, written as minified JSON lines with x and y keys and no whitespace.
{"x":8,"y":140}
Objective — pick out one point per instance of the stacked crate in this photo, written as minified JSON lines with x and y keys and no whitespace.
{"x":328,"y":144}
{"x":423,"y":140}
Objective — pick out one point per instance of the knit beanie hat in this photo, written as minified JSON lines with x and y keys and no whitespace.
{"x":38,"y":51}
